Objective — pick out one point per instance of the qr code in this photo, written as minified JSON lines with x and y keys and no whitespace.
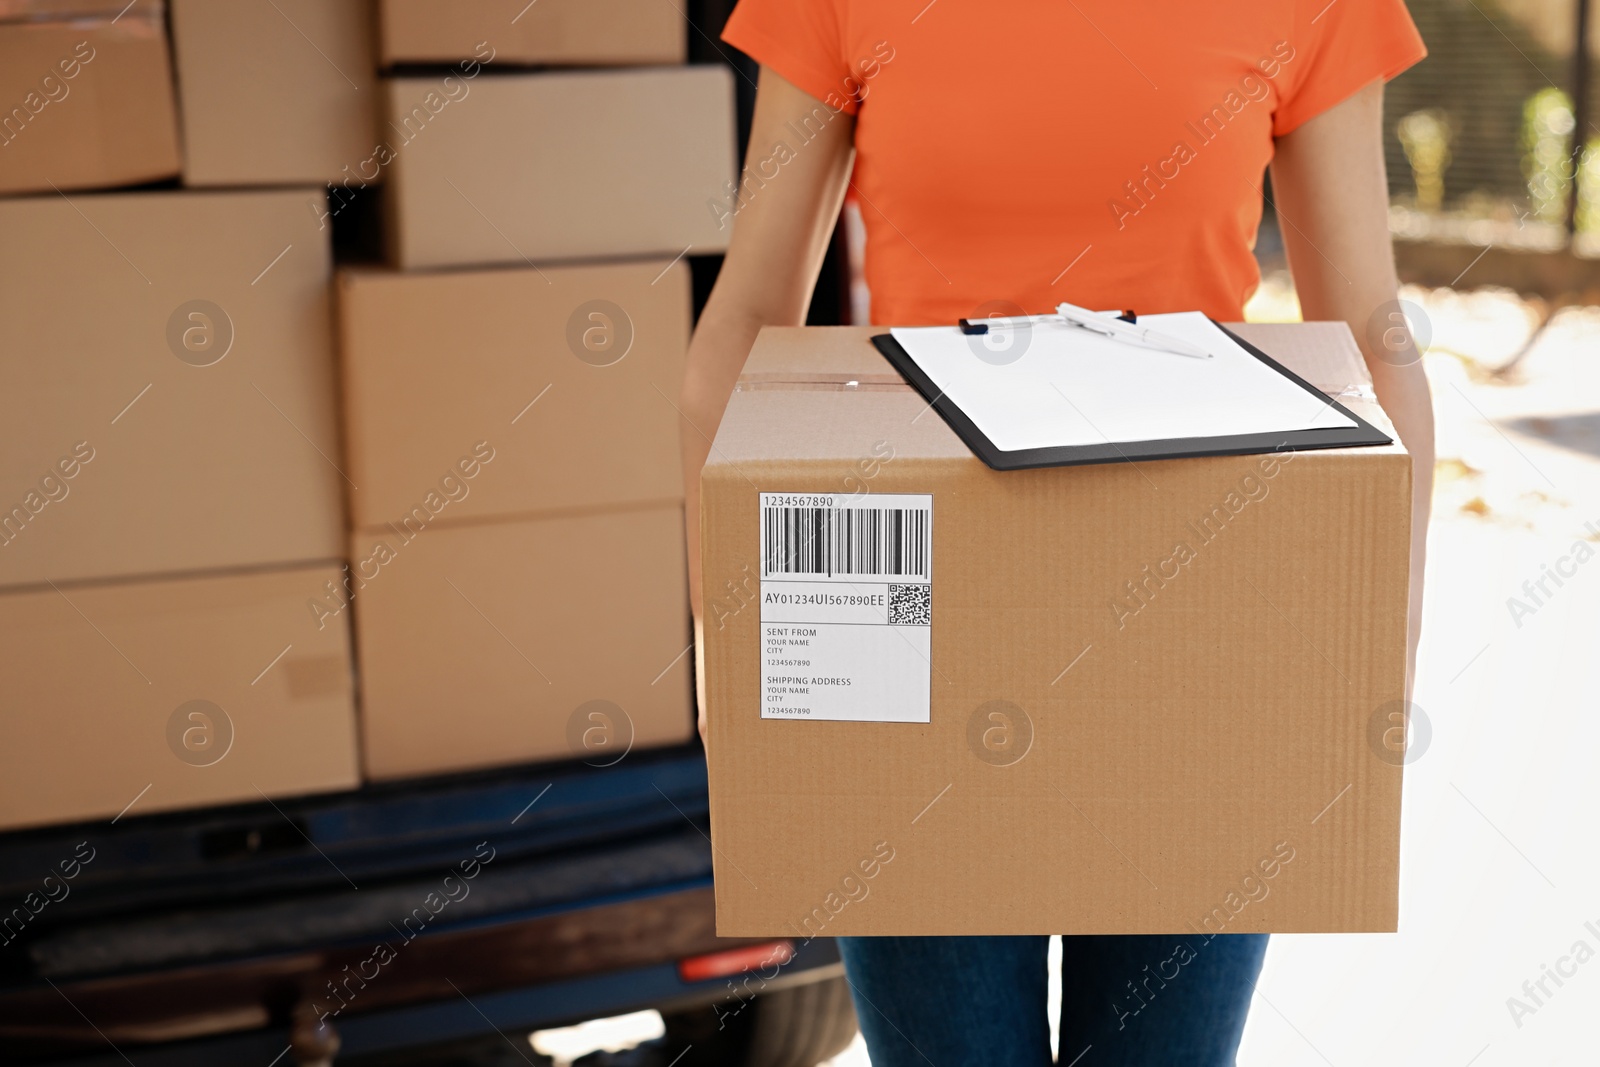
{"x":911,"y":605}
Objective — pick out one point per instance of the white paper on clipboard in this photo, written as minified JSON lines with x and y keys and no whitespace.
{"x":1072,"y":387}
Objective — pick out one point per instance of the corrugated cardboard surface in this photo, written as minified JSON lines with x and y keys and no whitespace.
{"x":276,"y":91}
{"x":85,"y":104}
{"x":1179,"y":752}
{"x":193,"y":467}
{"x":524,"y":168}
{"x":568,"y":374}
{"x":554,"y":32}
{"x":489,"y":643}
{"x":95,"y":675}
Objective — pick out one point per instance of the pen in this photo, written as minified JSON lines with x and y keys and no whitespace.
{"x":1084,"y":319}
{"x":1094,"y":322}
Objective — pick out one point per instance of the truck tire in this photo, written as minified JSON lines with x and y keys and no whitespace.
{"x":800,"y":1026}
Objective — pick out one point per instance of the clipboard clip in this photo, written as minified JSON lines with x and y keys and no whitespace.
{"x":1124,"y":327}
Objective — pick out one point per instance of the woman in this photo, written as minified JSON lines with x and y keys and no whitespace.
{"x":1015,"y":155}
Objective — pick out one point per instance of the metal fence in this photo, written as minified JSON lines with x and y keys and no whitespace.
{"x":1487,"y":129}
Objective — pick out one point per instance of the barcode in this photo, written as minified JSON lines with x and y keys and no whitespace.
{"x":848,"y":541}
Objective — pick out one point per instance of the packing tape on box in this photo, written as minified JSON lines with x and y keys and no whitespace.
{"x":748,"y":383}
{"x":870,"y":383}
{"x":1348,"y":392}
{"x":1357,"y":394}
{"x":1361,"y":399}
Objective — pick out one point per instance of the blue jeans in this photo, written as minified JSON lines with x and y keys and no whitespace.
{"x":1177,"y":1000}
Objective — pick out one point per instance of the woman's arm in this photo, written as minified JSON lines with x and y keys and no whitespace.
{"x":791,"y":201}
{"x":1333,"y":203}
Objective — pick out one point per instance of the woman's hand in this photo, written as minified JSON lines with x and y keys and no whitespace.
{"x":1333,"y":202}
{"x":781,"y":230}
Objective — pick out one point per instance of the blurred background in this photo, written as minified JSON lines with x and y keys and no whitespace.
{"x":344,"y":638}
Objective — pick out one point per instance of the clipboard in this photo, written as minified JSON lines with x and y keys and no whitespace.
{"x":1360,"y":434}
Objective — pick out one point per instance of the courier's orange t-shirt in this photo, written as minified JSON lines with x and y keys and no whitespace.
{"x":1101,"y":152}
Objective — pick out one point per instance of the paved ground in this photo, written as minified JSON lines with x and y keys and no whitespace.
{"x":1499,"y":866}
{"x":1501,"y":861}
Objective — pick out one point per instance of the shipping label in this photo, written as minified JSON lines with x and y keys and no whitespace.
{"x":846,"y":606}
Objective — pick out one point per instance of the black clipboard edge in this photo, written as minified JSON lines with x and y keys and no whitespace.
{"x":1362,"y":434}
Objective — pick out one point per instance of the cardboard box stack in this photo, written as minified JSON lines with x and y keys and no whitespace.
{"x":171,"y":505}
{"x":516,"y":550}
{"x":178,"y":575}
{"x":518,"y":542}
{"x":1129,"y":698}
{"x":171,"y":463}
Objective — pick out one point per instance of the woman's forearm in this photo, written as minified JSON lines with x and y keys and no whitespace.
{"x":1332,"y":198}
{"x":721,"y":342}
{"x":781,"y":228}
{"x":1404,"y":394}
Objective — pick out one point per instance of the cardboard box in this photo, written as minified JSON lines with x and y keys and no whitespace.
{"x":170,"y":378}
{"x":1123,"y":736}
{"x":568,"y":376}
{"x":85,"y":104}
{"x":180,"y":693}
{"x":510,"y":642}
{"x":549,"y":33}
{"x":276,"y":92}
{"x":534,"y":167}
{"x":60,"y":10}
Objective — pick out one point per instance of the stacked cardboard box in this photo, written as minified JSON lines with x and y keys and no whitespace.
{"x":275,"y":92}
{"x":551,"y":33}
{"x":153,"y":694}
{"x":527,"y":167}
{"x":171,"y":505}
{"x":85,"y":95}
